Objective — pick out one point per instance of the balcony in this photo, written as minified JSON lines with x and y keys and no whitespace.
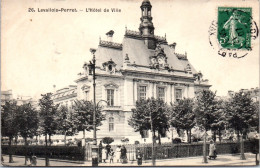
{"x":112,"y":108}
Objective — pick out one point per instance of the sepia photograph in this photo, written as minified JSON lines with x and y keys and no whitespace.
{"x":129,"y":83}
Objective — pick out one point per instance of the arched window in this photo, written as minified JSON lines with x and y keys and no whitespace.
{"x":111,"y":123}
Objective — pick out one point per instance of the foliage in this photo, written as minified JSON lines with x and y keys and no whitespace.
{"x":107,"y":140}
{"x":183,"y":116}
{"x":48,"y":115}
{"x":27,"y":121}
{"x":83,"y":115}
{"x":220,"y":121}
{"x":154,"y":108}
{"x":205,"y":109}
{"x":255,"y":118}
{"x":241,"y":112}
{"x":9,"y":125}
{"x":66,"y":121}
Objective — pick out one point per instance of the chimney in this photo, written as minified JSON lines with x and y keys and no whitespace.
{"x":110,"y":35}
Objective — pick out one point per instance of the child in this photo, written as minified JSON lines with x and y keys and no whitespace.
{"x":111,"y":156}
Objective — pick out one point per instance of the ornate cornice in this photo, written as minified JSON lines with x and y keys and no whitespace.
{"x":110,"y":44}
{"x":133,"y":34}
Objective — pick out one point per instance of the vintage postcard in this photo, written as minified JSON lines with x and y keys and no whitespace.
{"x":129,"y":83}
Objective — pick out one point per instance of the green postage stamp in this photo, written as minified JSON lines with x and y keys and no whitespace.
{"x":234,"y":28}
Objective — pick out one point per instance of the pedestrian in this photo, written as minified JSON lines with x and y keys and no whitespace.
{"x":118,"y":153}
{"x":100,"y":146}
{"x":123,"y":154}
{"x":139,"y":157}
{"x":111,"y":156}
{"x":108,"y":147}
{"x":104,"y":154}
{"x":212,"y":150}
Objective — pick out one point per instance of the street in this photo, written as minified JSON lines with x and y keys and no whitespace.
{"x":222,"y":160}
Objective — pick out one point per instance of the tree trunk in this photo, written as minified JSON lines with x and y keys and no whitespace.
{"x":85,"y":145}
{"x":11,"y":160}
{"x":159,"y":137}
{"x":16,"y":139}
{"x":65,"y":137}
{"x":205,"y":160}
{"x":47,"y":163}
{"x":219,"y":136}
{"x":187,"y":132}
{"x":214,"y":136}
{"x":26,"y":150}
{"x":50,"y":139}
{"x":242,"y":156}
{"x":153,"y":152}
{"x":190,"y":136}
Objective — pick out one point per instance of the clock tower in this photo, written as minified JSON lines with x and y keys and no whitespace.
{"x":146,"y":27}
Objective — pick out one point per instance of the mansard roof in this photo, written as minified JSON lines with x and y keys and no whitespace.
{"x":138,"y":53}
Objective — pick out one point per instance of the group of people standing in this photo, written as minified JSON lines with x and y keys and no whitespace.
{"x":106,"y":153}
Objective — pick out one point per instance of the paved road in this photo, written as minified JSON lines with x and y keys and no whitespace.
{"x":222,"y":160}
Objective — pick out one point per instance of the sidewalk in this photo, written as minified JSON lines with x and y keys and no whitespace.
{"x":222,"y":160}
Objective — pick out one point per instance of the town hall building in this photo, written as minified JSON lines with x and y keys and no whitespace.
{"x":144,"y":65}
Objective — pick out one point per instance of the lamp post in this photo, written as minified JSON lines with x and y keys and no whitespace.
{"x":92,"y":66}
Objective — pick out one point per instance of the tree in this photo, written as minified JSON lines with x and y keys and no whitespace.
{"x":205,"y":108}
{"x":27,"y":121}
{"x":254,"y":122}
{"x":107,"y":140}
{"x":83,"y":115}
{"x":183,"y":116}
{"x":9,"y":125}
{"x":66,"y":122}
{"x":151,"y":114}
{"x":240,"y":114}
{"x":48,"y":118}
{"x":220,"y":121}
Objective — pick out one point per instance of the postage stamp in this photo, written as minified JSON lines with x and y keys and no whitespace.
{"x":234,"y":27}
{"x":233,"y":32}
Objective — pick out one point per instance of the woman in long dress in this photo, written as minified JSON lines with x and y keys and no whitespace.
{"x":118,"y":153}
{"x":104,"y":155}
{"x":123,"y":154}
{"x":212,"y":149}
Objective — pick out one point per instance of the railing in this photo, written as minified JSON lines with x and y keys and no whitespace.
{"x":163,"y":151}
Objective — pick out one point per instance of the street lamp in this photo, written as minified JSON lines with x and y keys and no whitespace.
{"x":92,"y":67}
{"x":151,"y":122}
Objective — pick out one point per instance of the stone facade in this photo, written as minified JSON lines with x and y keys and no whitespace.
{"x":143,"y":66}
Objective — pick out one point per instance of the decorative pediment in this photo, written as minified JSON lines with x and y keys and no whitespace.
{"x":111,"y":85}
{"x":109,"y":66}
{"x":159,"y":59}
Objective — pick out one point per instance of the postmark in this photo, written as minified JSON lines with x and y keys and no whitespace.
{"x":233,"y":32}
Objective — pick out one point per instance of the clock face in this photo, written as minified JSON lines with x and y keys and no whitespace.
{"x":160,"y":60}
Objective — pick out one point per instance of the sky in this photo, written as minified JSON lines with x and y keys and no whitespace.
{"x":42,"y":49}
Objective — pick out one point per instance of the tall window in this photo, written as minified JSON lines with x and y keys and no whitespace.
{"x":111,"y":123}
{"x":110,"y":97}
{"x":142,"y":92}
{"x":161,"y":93}
{"x":178,"y":93}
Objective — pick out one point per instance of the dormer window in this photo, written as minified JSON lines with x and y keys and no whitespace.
{"x":109,"y":66}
